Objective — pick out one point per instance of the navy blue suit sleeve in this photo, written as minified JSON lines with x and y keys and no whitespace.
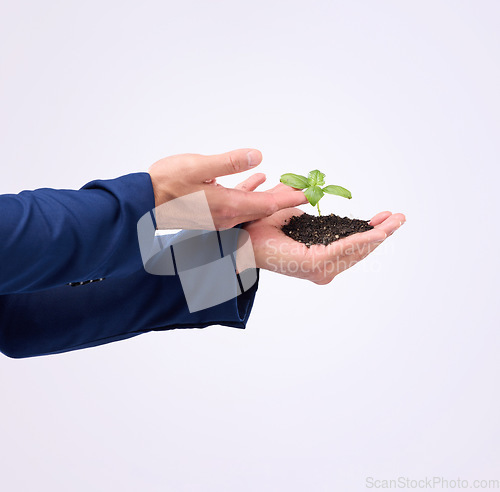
{"x":69,"y":318}
{"x":52,"y":237}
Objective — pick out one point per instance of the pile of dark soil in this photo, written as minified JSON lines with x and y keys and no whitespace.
{"x":310,"y":229}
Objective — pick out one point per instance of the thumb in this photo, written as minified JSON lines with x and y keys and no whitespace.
{"x":236,"y":161}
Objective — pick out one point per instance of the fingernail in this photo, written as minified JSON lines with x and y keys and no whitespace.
{"x":253,"y":158}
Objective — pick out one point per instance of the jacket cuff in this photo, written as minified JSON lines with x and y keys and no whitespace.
{"x":134,"y":193}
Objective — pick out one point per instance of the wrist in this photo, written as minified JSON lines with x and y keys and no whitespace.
{"x":160,"y":191}
{"x":246,"y":256}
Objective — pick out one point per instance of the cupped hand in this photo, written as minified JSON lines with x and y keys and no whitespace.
{"x":185,"y":174}
{"x":320,"y":264}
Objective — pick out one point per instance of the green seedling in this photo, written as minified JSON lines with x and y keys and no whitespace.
{"x":312,"y":186}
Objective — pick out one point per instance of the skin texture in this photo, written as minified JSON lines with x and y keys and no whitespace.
{"x":320,"y":264}
{"x":263,"y":213}
{"x":183,"y":174}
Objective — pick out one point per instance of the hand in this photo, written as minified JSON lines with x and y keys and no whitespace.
{"x":320,"y":264}
{"x":180,"y":175}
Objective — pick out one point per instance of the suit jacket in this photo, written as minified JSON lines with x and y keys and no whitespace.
{"x":71,"y":273}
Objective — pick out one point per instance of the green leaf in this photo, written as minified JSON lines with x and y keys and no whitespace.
{"x":316,"y":178}
{"x":295,"y":181}
{"x":314,"y":194}
{"x":337,"y":190}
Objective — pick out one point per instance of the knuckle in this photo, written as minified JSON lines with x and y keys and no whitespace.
{"x":272,"y":207}
{"x":181,"y":165}
{"x":188,"y":162}
{"x":227,"y":212}
{"x":233,"y":164}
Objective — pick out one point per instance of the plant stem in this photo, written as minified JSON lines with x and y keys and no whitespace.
{"x":319,"y":211}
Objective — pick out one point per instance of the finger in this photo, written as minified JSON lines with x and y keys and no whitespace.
{"x":365,"y":243}
{"x":280,"y":187}
{"x":376,"y":235}
{"x":379,"y":218}
{"x":259,"y":204}
{"x":283,"y":216}
{"x":391,"y":224}
{"x":205,"y":167}
{"x":251,"y":183}
{"x":350,"y":245}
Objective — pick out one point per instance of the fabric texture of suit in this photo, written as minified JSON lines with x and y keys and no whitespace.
{"x":51,"y":238}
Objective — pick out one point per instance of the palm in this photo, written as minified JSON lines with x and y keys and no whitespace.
{"x":277,"y":252}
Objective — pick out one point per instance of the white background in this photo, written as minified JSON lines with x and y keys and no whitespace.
{"x":392,"y":369}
